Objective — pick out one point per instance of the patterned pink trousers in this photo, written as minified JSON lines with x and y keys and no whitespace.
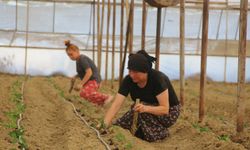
{"x":90,"y":93}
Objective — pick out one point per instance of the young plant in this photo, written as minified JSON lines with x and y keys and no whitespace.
{"x":119,"y":137}
{"x":200,"y":128}
{"x":224,"y":137}
{"x":13,"y":115}
{"x":59,"y":90}
{"x":17,"y":136}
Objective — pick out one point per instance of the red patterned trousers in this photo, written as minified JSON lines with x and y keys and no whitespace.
{"x":90,"y":93}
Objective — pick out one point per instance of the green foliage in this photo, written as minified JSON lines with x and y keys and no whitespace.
{"x":17,"y":136}
{"x":224,"y":137}
{"x":13,"y":115}
{"x":122,"y":139}
{"x":246,"y":125}
{"x":59,"y":90}
{"x":128,"y":146}
{"x":221,"y":118}
{"x":16,"y":95}
{"x":200,"y":128}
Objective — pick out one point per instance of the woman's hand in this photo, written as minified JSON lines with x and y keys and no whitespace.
{"x":161,"y":109}
{"x":140,"y":108}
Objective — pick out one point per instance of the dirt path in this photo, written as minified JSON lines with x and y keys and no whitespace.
{"x":6,"y":105}
{"x":50,"y":123}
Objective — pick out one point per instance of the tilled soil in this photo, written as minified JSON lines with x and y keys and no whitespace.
{"x":50,"y":123}
{"x":6,"y":105}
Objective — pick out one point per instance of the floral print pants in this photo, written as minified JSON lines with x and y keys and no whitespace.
{"x":150,"y":127}
{"x":90,"y":93}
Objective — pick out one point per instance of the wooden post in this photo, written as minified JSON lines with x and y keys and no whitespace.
{"x":182,"y":51}
{"x":94,"y":18}
{"x":203,"y":59}
{"x":131,"y":32}
{"x":158,"y":38}
{"x":241,"y":65}
{"x":113,"y":44}
{"x":127,"y":9}
{"x":98,"y":38}
{"x":121,"y":33}
{"x":99,"y":58}
{"x":126,"y":42}
{"x":98,"y":33}
{"x":135,"y":119}
{"x":226,"y":43}
{"x":107,"y":41}
{"x":144,"y":20}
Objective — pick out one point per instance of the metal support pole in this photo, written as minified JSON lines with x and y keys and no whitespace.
{"x":218,"y":29}
{"x":16,"y":15}
{"x":54,"y":16}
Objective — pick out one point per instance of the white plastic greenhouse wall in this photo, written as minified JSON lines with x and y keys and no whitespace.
{"x":50,"y":23}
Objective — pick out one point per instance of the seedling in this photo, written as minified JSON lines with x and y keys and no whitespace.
{"x":224,"y":137}
{"x":13,"y":115}
{"x":60,"y":91}
{"x":17,"y":136}
{"x":122,"y":139}
{"x":200,"y":128}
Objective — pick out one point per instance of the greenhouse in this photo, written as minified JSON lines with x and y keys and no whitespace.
{"x":34,"y":64}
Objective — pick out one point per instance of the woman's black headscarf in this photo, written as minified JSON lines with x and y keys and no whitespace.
{"x":140,"y":61}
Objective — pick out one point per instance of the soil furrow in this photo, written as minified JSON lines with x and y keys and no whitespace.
{"x":6,"y":105}
{"x":50,"y":123}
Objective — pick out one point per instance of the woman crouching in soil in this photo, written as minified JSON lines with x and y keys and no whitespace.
{"x":159,"y":107}
{"x":90,"y":78}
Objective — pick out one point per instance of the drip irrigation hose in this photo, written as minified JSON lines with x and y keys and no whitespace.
{"x":97,"y":132}
{"x":20,"y":118}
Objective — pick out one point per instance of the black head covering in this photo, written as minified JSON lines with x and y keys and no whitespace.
{"x":140,"y":61}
